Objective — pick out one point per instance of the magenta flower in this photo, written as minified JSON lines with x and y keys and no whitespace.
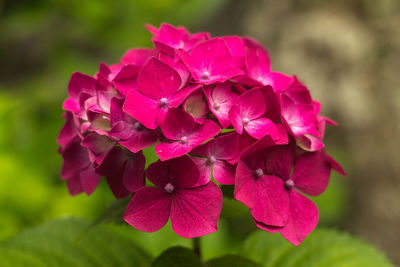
{"x":183,"y":134}
{"x":214,"y":157}
{"x":194,"y":210}
{"x":248,"y":114}
{"x":158,"y":85}
{"x":210,"y":62}
{"x":215,"y":99}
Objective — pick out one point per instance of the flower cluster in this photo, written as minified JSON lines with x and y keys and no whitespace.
{"x":217,"y":115}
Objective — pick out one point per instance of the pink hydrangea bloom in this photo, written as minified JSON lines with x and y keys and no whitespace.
{"x":214,"y":113}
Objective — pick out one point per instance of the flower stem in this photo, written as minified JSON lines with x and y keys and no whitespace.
{"x":197,"y":246}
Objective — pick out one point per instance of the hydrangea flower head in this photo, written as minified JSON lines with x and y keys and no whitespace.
{"x":214,"y":113}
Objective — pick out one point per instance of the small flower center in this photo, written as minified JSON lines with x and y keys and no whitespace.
{"x":211,"y":160}
{"x":258,"y":173}
{"x":163,"y":102}
{"x":138,"y":126}
{"x":205,"y":75}
{"x":245,"y":121}
{"x":169,"y":188}
{"x":184,"y":140}
{"x":289,"y":184}
{"x":216,"y":106}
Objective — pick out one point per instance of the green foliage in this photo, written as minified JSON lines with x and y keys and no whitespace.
{"x":177,"y":257}
{"x":232,"y":261}
{"x":322,"y":248}
{"x":68,"y":242}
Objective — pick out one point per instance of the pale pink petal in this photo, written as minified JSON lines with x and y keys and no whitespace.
{"x":149,"y":209}
{"x":195,"y":212}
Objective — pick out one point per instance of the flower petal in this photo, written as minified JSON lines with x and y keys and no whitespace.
{"x":224,"y":172}
{"x":195,"y":212}
{"x":143,"y":109}
{"x":311,"y":173}
{"x":149,"y":209}
{"x":261,"y":127}
{"x":303,"y":217}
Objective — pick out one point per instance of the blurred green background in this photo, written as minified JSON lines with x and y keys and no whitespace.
{"x":42,"y":42}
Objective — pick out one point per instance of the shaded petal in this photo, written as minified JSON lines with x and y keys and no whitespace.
{"x":89,"y":180}
{"x":226,"y":146}
{"x":204,"y":132}
{"x":140,"y":140}
{"x":195,"y":212}
{"x":149,"y":209}
{"x":177,"y":124}
{"x":311,"y":173}
{"x":74,"y":185}
{"x":133,"y":176}
{"x":236,"y":119}
{"x":244,"y":184}
{"x":81,"y":83}
{"x":279,"y":161}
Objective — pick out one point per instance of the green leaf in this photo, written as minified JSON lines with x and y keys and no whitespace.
{"x":231,"y":261}
{"x":177,"y":257}
{"x":322,"y":248}
{"x":113,"y":213}
{"x":67,"y":242}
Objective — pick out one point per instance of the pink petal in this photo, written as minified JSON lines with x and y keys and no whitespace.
{"x":75,"y":158}
{"x":177,"y":124}
{"x":271,"y":204}
{"x":195,"y":212}
{"x":244,"y":185}
{"x":89,"y":180}
{"x":68,"y":131}
{"x":251,"y":104}
{"x":237,"y":49}
{"x":74,"y":185}
{"x":310,"y":142}
{"x":204,"y":132}
{"x":236,"y":119}
{"x":279,"y":161}
{"x":204,"y":170}
{"x":140,"y":140}
{"x":149,"y":209}
{"x":137,"y":56}
{"x":257,"y":60}
{"x":143,"y":109}
{"x":81,"y":83}
{"x":303,"y":217}
{"x":99,"y":145}
{"x":220,"y":100}
{"x":133,"y":176}
{"x":273,"y":108}
{"x":182,"y":94}
{"x":181,"y":172}
{"x":311,"y":173}
{"x":166,"y":151}
{"x":261,"y":127}
{"x":278,"y":81}
{"x":335,"y":165}
{"x":158,"y":80}
{"x":226,"y":146}
{"x":224,"y":172}
{"x":126,"y":79}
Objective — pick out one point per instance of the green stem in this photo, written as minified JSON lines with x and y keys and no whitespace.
{"x":197,"y":246}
